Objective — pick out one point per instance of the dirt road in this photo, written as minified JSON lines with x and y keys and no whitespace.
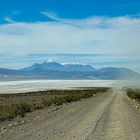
{"x":107,"y":116}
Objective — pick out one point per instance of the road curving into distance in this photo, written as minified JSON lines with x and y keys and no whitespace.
{"x":108,"y":116}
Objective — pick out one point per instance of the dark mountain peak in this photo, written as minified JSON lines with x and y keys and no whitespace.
{"x":36,"y":64}
{"x":107,"y":69}
{"x":79,"y":67}
{"x":47,"y":65}
{"x":51,"y":62}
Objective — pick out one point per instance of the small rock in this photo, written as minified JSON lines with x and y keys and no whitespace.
{"x":36,"y":118}
{"x":11,"y":131}
{"x":15,"y":124}
{"x":137,"y":107}
{"x":22,"y":122}
{"x":10,"y":125}
{"x":3,"y":128}
{"x":37,"y":134}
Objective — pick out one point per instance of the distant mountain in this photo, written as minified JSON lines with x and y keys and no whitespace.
{"x":44,"y":66}
{"x":54,"y":70}
{"x":117,"y":73}
{"x":54,"y":66}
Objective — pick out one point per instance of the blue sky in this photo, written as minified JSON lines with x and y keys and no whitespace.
{"x":29,"y":10}
{"x":106,"y":31}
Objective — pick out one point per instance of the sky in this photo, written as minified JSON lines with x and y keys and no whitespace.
{"x":102,"y":33}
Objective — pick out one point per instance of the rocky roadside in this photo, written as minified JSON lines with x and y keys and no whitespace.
{"x":9,"y":127}
{"x":134,"y":103}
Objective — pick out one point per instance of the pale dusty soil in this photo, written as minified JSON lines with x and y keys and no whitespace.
{"x":108,"y":116}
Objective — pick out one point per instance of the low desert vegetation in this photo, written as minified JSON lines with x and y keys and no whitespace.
{"x":134,"y":94}
{"x":13,"y":105}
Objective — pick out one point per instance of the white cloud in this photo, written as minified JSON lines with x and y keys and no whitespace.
{"x":9,"y":19}
{"x":87,"y":22}
{"x":51,"y":15}
{"x":118,"y":36}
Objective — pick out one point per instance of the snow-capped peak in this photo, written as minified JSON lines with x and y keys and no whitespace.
{"x":74,"y":63}
{"x":50,"y":61}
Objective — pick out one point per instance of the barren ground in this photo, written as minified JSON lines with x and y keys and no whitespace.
{"x":107,"y":116}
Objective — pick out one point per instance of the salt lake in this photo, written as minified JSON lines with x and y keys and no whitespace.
{"x":39,"y":85}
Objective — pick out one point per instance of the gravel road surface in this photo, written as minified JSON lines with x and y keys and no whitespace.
{"x":107,"y":116}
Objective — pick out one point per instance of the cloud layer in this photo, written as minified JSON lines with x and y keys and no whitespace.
{"x":118,"y":37}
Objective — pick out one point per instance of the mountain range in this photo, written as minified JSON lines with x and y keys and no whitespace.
{"x":54,"y":70}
